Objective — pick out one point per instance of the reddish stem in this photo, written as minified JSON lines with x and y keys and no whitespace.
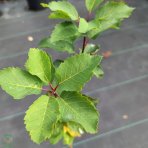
{"x":51,"y":92}
{"x":51,"y":86}
{"x":85,"y":39}
{"x":55,"y":88}
{"x":84,"y":44}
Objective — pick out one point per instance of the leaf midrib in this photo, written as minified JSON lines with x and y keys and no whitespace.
{"x":72,"y":109}
{"x":43,"y":120}
{"x":75,"y":74}
{"x":24,"y":86}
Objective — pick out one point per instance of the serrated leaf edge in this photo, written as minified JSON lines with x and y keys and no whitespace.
{"x":80,"y":71}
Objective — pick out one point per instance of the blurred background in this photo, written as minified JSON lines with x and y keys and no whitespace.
{"x":123,"y":92}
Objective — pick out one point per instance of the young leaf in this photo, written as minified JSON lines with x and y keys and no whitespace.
{"x":62,"y":37}
{"x":44,"y":5}
{"x":68,"y":139}
{"x":40,"y":118}
{"x":91,"y":48}
{"x":98,"y":72}
{"x":19,"y":83}
{"x":76,"y":71}
{"x":73,"y":129}
{"x":92,"y":4}
{"x":65,"y":9}
{"x":58,"y":45}
{"x":57,"y":133}
{"x":59,"y":15}
{"x":77,"y":108}
{"x":109,"y":16}
{"x":40,"y":64}
{"x":83,"y":26}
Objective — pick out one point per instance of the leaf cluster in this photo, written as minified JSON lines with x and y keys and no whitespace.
{"x":62,"y":105}
{"x":62,"y":111}
{"x":73,"y":27}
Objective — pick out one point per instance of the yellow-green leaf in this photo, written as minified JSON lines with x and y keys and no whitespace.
{"x":65,"y":9}
{"x":92,"y":4}
{"x":75,"y":71}
{"x":39,"y":63}
{"x":19,"y":83}
{"x":41,"y":117}
{"x":109,"y":16}
{"x":83,"y":26}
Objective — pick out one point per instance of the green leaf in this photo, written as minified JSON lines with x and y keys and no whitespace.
{"x":93,"y":101}
{"x":91,"y":48}
{"x":76,"y":71}
{"x":58,"y":45}
{"x":57,"y":63}
{"x":40,"y":118}
{"x":40,"y":64}
{"x":83,"y":26}
{"x":109,"y":16}
{"x":92,"y":4}
{"x":59,"y":15}
{"x":62,"y":37}
{"x":66,"y":31}
{"x":65,"y":9}
{"x":45,"y":43}
{"x":57,"y":133}
{"x":19,"y":83}
{"x":98,"y":72}
{"x":44,"y":5}
{"x":77,"y":108}
{"x":74,"y":129}
{"x":68,"y":140}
